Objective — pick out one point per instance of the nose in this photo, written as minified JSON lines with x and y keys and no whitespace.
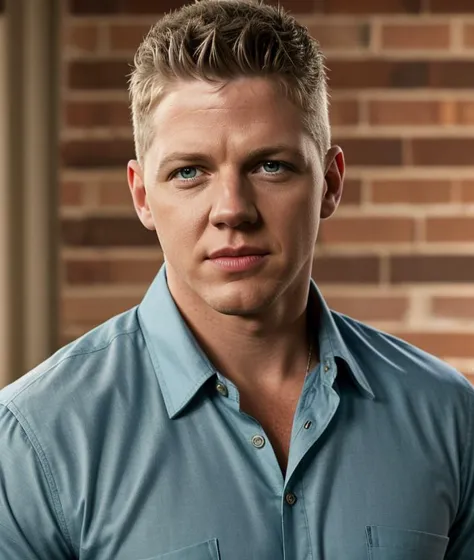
{"x":233,"y":202}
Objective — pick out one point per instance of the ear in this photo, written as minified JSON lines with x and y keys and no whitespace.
{"x":334,"y":179}
{"x":136,"y":184}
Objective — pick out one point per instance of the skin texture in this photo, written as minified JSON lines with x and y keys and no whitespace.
{"x":252,"y":324}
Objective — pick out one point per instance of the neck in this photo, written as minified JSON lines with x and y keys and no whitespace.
{"x":269,"y":351}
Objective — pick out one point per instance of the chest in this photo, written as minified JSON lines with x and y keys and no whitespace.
{"x":170,"y":487}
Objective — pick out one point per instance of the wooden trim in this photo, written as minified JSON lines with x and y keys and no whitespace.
{"x":33,"y":51}
{"x":4,"y":221}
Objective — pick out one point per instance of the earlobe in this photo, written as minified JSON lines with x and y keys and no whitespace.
{"x":334,"y":179}
{"x":138,"y":191}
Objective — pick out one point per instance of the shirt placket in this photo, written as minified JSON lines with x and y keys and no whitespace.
{"x":318,"y":404}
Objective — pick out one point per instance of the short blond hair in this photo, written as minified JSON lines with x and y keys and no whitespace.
{"x":218,"y":40}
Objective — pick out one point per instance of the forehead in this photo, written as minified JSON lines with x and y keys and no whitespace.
{"x":248,"y":109}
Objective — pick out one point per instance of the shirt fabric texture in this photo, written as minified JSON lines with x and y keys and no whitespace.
{"x":127,"y":444}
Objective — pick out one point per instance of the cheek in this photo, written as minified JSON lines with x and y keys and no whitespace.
{"x":298,"y":212}
{"x":302,"y":223}
{"x":177,"y":224}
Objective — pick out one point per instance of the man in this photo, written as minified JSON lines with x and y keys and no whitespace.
{"x":232,"y":415}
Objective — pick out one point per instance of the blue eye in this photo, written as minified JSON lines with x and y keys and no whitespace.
{"x":187,"y":173}
{"x":272,"y":166}
{"x":275,"y":167}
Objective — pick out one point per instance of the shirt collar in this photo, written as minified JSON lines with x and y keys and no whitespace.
{"x":332,"y":344}
{"x":182,"y":367}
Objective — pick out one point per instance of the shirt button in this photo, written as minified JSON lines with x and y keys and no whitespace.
{"x":258,"y":441}
{"x":222,"y":389}
{"x":326,"y":367}
{"x":307,"y":425}
{"x":290,"y":499}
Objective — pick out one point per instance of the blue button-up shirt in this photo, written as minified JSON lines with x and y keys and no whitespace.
{"x":121,"y":447}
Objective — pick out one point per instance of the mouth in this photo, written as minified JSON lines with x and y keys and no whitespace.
{"x":238,"y":259}
{"x":235,"y":252}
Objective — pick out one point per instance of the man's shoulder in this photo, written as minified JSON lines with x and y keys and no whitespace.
{"x":390,"y":358}
{"x":69,"y":368}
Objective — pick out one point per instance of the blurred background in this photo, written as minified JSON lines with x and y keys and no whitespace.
{"x":399,"y":254}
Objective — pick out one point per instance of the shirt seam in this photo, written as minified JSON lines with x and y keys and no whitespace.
{"x":41,"y":456}
{"x":84,"y":353}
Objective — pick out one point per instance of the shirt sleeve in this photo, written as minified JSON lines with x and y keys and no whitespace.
{"x":461,"y":543}
{"x":29,"y":527}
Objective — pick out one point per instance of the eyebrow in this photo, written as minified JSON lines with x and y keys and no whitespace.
{"x":252,"y":156}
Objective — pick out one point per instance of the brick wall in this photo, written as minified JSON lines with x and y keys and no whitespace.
{"x":400,"y":253}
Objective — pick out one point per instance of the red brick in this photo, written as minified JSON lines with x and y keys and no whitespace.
{"x":411,"y":191}
{"x":91,"y":310}
{"x":341,"y":35}
{"x":371,"y":151}
{"x":97,"y":153}
{"x":352,"y":192}
{"x":82,"y":38}
{"x":98,"y":74}
{"x":413,"y":37}
{"x":451,"y":112}
{"x":112,"y":271}
{"x":468,"y":35}
{"x":451,"y":74}
{"x":376,"y":73}
{"x":115,"y":194}
{"x":106,"y":232}
{"x":452,"y":229}
{"x":442,"y":269}
{"x":390,"y":112}
{"x":451,"y":6}
{"x":127,"y":37}
{"x":88,"y":114}
{"x":442,"y":151}
{"x":453,"y":307}
{"x":344,"y":112}
{"x":463,"y":113}
{"x":371,"y":6}
{"x":371,"y":230}
{"x":442,"y":344}
{"x":467,"y":191}
{"x":375,"y":308}
{"x":346,"y":269}
{"x":71,"y":193}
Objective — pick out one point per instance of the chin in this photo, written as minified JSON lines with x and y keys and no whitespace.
{"x":240,"y":302}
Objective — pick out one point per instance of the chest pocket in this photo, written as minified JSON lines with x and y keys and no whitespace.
{"x":391,"y":543}
{"x":208,"y":550}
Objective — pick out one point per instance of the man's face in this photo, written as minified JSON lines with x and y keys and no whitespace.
{"x":233,"y":173}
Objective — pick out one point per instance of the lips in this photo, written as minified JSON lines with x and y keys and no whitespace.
{"x":243,"y":251}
